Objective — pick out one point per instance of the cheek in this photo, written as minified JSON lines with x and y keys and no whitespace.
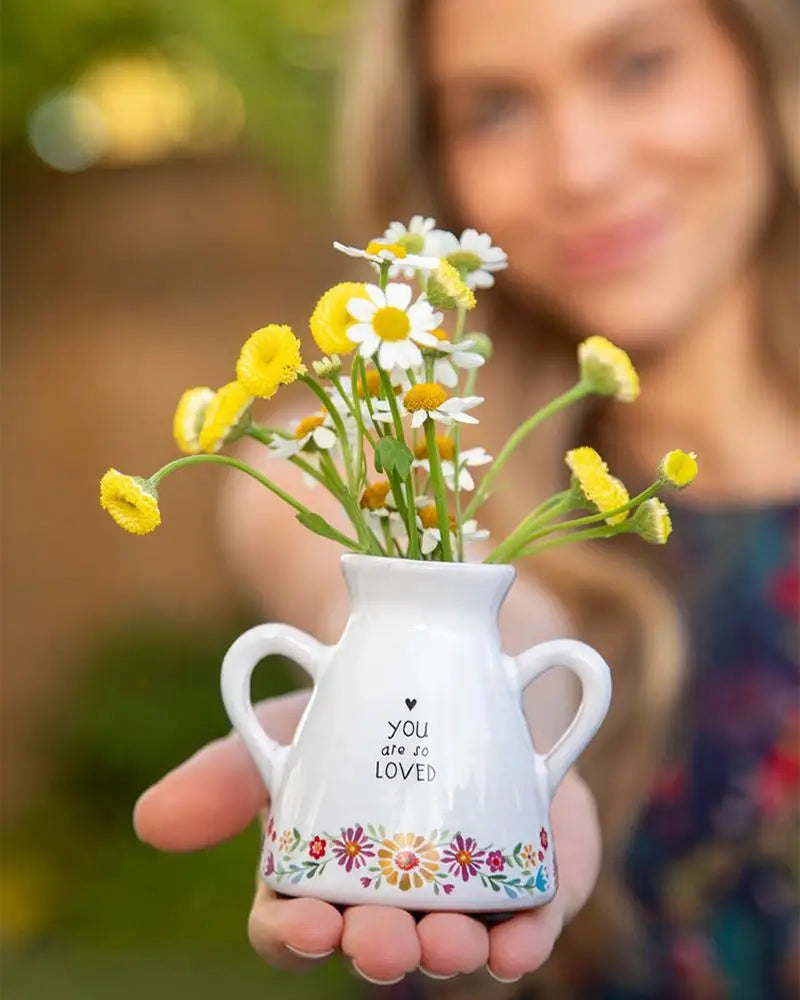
{"x":491,"y":189}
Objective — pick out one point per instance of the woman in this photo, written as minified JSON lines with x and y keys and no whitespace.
{"x":635,"y":160}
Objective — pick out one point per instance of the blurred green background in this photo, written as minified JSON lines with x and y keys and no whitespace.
{"x":165,"y":192}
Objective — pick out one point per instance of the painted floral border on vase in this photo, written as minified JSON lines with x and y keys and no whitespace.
{"x":440,"y":861}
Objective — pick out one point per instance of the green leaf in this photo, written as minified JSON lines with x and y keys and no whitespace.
{"x":392,"y":455}
{"x":320,"y":526}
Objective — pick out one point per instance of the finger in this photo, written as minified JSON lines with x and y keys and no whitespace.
{"x":525,"y":942}
{"x":293,"y":933}
{"x":216,"y":793}
{"x":382,"y":942}
{"x":452,"y":943}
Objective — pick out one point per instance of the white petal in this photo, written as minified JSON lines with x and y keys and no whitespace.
{"x":464,"y":359}
{"x":444,"y":373}
{"x":408,"y":354}
{"x":324,"y":438}
{"x":360,"y":331}
{"x":376,"y":295}
{"x":480,"y":279}
{"x":465,"y":480}
{"x":418,"y":418}
{"x":350,"y":251}
{"x":398,"y":295}
{"x":441,"y":417}
{"x":475,"y":456}
{"x":361,"y":309}
{"x":429,"y":540}
{"x":370,"y":344}
{"x":465,"y":418}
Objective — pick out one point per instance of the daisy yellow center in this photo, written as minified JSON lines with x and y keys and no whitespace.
{"x":444,"y":445}
{"x":425,"y":396}
{"x":430,"y":518}
{"x":394,"y":248}
{"x":439,"y":333}
{"x":391,"y":323}
{"x":352,"y":848}
{"x":374,"y":496}
{"x":309,"y":424}
{"x":373,"y":384}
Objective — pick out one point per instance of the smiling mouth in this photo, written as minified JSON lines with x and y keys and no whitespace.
{"x":610,"y":249}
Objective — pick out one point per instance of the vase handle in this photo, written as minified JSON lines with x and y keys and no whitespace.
{"x":595,"y":677}
{"x":237,"y":668}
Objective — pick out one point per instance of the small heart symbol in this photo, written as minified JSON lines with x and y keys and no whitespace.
{"x":410,"y":703}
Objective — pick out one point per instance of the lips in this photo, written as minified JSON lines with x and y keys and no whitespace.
{"x":607,"y":250}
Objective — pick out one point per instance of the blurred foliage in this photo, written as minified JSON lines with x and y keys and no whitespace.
{"x":282,"y":55}
{"x":85,"y":903}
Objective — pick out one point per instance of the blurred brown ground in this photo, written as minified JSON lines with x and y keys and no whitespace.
{"x":121,"y":288}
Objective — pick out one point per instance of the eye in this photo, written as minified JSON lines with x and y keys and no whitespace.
{"x":486,"y":109}
{"x":640,"y":68}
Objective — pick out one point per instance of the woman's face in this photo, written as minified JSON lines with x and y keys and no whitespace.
{"x":612,"y":147}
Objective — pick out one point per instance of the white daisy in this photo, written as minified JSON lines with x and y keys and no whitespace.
{"x":429,"y":401}
{"x":458,"y":356}
{"x":431,"y":535}
{"x":414,"y":238}
{"x":388,"y":327}
{"x":377,"y":252}
{"x":473,"y":255}
{"x":469,"y":458}
{"x":314,"y":429}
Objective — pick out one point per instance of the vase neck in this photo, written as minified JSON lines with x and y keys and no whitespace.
{"x":423,"y":589}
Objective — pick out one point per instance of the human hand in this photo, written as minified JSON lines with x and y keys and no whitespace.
{"x":218,"y":792}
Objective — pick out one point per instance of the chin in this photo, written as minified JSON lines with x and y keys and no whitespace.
{"x":637,"y":323}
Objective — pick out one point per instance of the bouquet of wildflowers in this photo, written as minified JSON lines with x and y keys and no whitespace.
{"x":396,"y":381}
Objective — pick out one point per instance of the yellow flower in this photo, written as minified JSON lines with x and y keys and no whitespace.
{"x":599,"y":487}
{"x":608,"y":369}
{"x":189,"y":416}
{"x":269,"y":358}
{"x":446,"y":289}
{"x":678,"y":468}
{"x":330,"y":320}
{"x":652,"y":521}
{"x":408,"y":861}
{"x":131,"y":501}
{"x":225,"y":416}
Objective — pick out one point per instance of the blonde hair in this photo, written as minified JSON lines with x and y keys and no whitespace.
{"x":616,"y":601}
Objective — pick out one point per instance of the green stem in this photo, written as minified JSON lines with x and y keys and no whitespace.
{"x":521,"y":535}
{"x":411,"y":510}
{"x":264,"y":434}
{"x":572,"y":395}
{"x":578,"y":536}
{"x":352,"y":406}
{"x":179,"y":463}
{"x":439,"y":492}
{"x":348,"y":501}
{"x":580,"y":522}
{"x":338,"y":423}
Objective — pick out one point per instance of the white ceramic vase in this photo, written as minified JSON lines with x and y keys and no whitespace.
{"x":412,"y":779}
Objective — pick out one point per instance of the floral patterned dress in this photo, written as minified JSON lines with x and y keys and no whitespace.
{"x":715,"y":859}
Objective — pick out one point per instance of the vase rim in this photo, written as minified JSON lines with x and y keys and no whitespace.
{"x":499,"y":569}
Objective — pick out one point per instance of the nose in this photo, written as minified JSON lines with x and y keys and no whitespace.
{"x":586,"y":155}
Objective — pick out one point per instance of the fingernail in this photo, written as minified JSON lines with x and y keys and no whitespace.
{"x":307,"y":954}
{"x":436,"y":975}
{"x":378,"y":982}
{"x":498,"y":979}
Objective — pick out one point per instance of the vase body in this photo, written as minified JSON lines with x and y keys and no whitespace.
{"x":412,"y":779}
